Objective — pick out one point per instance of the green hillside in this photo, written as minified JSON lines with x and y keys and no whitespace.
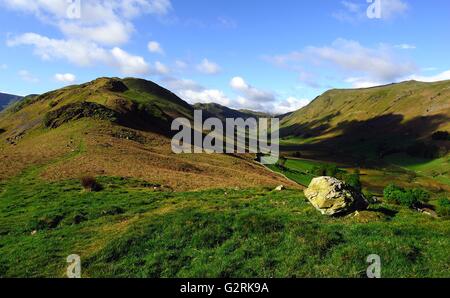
{"x":375,"y":122}
{"x":6,"y":99}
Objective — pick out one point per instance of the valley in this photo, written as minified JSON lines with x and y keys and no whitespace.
{"x":89,"y":170}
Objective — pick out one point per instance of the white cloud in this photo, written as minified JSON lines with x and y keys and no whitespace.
{"x":92,"y":39}
{"x":81,"y":53}
{"x":405,"y":46}
{"x":205,"y":96}
{"x":3,"y":66}
{"x":107,"y":22}
{"x":27,"y":76}
{"x":250,"y":93}
{"x":65,"y":77}
{"x":193,"y":92}
{"x":290,"y":104}
{"x":443,"y":76}
{"x":208,"y":67}
{"x":110,"y":33}
{"x":349,"y":61}
{"x":161,"y":68}
{"x":155,"y":47}
{"x":351,"y":56}
{"x":129,"y":64}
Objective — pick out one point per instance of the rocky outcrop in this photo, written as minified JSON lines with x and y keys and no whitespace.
{"x":333,"y":197}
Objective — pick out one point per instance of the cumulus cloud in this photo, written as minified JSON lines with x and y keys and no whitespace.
{"x":78,"y":52}
{"x":250,"y":93}
{"x":208,"y":67}
{"x":91,"y":37}
{"x":129,"y":64}
{"x":443,"y":76}
{"x":81,"y":53}
{"x":65,"y":77}
{"x":155,"y":47}
{"x":193,"y":92}
{"x":205,"y":96}
{"x":106,"y":22}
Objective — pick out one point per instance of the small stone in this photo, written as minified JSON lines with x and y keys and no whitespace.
{"x":280,"y":188}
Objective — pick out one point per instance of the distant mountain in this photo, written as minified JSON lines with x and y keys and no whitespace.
{"x":223,"y":112}
{"x":115,"y":127}
{"x":374,"y":121}
{"x":6,"y":99}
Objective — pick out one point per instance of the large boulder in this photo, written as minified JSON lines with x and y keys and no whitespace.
{"x":333,"y":197}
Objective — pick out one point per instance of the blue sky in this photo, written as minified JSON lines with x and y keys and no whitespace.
{"x":258,"y":54}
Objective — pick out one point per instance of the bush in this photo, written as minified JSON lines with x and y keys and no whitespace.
{"x":443,"y":207}
{"x":326,"y":170}
{"x":354,"y":181}
{"x":89,"y":183}
{"x":406,"y":197}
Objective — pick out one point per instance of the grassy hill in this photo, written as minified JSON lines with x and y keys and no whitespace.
{"x":114,"y":127}
{"x":6,"y":99}
{"x":156,"y":214}
{"x":374,"y":121}
{"x":393,"y":133}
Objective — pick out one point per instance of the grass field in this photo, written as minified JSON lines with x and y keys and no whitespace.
{"x":438,"y":168}
{"x":137,"y":229}
{"x":298,"y":170}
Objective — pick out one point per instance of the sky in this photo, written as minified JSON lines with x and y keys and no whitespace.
{"x":266,"y":55}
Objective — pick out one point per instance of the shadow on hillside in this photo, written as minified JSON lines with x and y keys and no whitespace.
{"x":369,"y":139}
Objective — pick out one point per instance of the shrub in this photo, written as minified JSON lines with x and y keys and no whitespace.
{"x":326,"y":170}
{"x":443,"y":207}
{"x":407,"y":197}
{"x":354,"y":181}
{"x":89,"y":183}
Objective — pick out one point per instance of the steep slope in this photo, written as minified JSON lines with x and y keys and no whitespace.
{"x":6,"y":99}
{"x":373,"y":122}
{"x":114,"y":127}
